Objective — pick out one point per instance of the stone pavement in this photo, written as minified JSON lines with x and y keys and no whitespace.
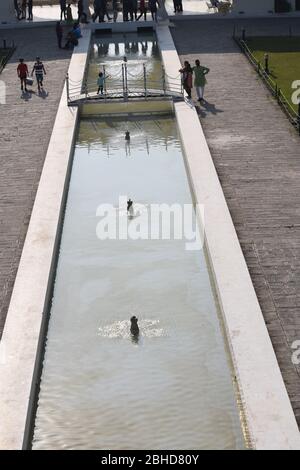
{"x":26,"y":126}
{"x":256,"y":154}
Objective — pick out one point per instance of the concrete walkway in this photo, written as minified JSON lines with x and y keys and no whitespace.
{"x":25,"y":133}
{"x":256,"y":153}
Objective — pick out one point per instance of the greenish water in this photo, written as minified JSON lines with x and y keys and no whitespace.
{"x":100,"y":388}
{"x":108,"y":54}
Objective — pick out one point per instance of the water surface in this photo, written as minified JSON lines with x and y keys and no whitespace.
{"x":171,"y":389}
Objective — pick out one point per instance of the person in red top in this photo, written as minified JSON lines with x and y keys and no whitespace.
{"x":143,"y":10}
{"x":22,"y":71}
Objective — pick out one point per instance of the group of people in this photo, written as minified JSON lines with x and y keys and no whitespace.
{"x":38,"y":70}
{"x":178,"y":8}
{"x":199,"y":72}
{"x":23,"y":9}
{"x":132,"y":10}
{"x":67,"y":14}
{"x":73,"y":36}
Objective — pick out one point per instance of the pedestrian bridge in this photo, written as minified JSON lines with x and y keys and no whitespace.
{"x":124,"y":84}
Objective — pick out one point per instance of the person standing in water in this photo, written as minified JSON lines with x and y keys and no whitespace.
{"x":129,"y":204}
{"x":134,"y":327}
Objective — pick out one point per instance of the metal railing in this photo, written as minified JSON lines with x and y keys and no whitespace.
{"x":6,"y":51}
{"x":124,"y":83}
{"x":264,"y":73}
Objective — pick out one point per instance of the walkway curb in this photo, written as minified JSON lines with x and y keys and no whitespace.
{"x":270,"y":420}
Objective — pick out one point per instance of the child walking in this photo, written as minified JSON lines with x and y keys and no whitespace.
{"x":100,"y":83}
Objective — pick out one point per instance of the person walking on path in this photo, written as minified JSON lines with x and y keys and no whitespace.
{"x":30,"y":7}
{"x":17,"y":10}
{"x":63,"y":9}
{"x":23,"y":8}
{"x":98,"y":11}
{"x":40,"y":71}
{"x":22,"y":71}
{"x":134,"y":9}
{"x":59,"y":33}
{"x":69,"y":14}
{"x":115,"y":9}
{"x":105,"y":10}
{"x":143,"y":10}
{"x":153,"y":9}
{"x":200,"y":81}
{"x":82,"y":15}
{"x":187,"y":78}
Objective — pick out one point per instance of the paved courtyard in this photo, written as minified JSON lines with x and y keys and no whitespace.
{"x":255,"y":150}
{"x":256,"y":154}
{"x":26,"y":126}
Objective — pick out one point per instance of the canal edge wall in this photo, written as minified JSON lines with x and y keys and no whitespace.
{"x":270,"y":419}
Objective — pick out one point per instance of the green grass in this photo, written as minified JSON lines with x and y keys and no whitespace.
{"x":284,"y":60}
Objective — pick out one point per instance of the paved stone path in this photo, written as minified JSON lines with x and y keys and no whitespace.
{"x":26,"y":127}
{"x":257,"y":157}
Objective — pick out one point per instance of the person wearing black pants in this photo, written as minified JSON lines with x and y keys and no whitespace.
{"x":63,"y":9}
{"x":59,"y":34}
{"x":30,"y":6}
{"x":143,"y":10}
{"x":81,"y":13}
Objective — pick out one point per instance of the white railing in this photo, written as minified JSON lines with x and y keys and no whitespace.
{"x":124,"y":83}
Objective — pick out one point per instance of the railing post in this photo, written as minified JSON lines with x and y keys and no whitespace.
{"x":126,"y":82}
{"x":104,"y":74}
{"x":123,"y":81}
{"x":86,"y":88}
{"x":267,"y":64}
{"x":278,"y":94}
{"x":244,"y":34}
{"x":68,"y":87}
{"x":145,"y":80}
{"x":258,"y":68}
{"x":163,"y":79}
{"x":4,"y":43}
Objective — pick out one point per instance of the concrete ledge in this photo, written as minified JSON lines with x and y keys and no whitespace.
{"x":129,"y":107}
{"x":20,"y":341}
{"x":120,"y":27}
{"x":269,"y":416}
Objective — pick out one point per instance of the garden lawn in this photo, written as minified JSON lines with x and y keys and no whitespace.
{"x":284,"y":60}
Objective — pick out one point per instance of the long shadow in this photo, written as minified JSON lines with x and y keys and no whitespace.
{"x":206,"y":108}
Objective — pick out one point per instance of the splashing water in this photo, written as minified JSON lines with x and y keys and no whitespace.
{"x":121,"y":329}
